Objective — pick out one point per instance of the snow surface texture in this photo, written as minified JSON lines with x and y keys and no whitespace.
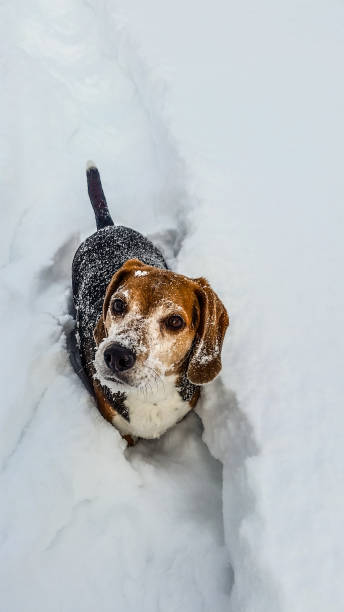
{"x":254,"y":101}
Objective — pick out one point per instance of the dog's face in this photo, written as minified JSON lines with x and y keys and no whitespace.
{"x":156,"y":324}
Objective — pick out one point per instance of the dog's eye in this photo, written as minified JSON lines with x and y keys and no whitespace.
{"x":174,"y":322}
{"x":118,"y":306}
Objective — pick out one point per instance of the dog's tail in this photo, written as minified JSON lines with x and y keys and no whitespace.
{"x":97,"y":197}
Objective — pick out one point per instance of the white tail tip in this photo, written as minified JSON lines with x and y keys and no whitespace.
{"x":90,"y":164}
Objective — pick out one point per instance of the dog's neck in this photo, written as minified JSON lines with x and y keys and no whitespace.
{"x":149,"y":415}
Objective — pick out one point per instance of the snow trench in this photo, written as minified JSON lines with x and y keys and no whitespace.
{"x":85,"y":523}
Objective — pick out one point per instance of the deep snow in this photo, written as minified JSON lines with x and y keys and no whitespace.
{"x":236,"y":170}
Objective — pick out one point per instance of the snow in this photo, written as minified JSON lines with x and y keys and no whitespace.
{"x":217,"y":128}
{"x":141,"y":273}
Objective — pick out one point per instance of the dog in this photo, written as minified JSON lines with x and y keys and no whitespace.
{"x":146,"y":337}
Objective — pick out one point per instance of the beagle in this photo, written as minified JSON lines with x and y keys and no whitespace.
{"x":147,"y":337}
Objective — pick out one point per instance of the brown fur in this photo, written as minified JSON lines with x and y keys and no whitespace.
{"x":205,"y":361}
{"x":104,"y":406}
{"x":204,"y":314}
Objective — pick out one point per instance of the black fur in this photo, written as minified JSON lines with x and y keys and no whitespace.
{"x":97,"y":197}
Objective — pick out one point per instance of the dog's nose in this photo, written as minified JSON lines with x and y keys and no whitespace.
{"x":119,"y":358}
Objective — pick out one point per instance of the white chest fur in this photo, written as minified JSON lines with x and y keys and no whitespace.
{"x":151,"y":416}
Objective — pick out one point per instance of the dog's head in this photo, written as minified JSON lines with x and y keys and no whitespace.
{"x":154,"y":324}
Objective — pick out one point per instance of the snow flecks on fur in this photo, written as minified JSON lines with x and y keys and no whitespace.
{"x":141,"y":273}
{"x":149,"y":382}
{"x":204,"y":354}
{"x":96,"y":261}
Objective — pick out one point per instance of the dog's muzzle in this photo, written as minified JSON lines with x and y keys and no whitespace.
{"x":119,"y":358}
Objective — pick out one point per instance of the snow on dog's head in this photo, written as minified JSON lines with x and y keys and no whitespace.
{"x":156,"y":324}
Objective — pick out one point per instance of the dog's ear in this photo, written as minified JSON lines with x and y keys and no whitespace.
{"x":205,"y":360}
